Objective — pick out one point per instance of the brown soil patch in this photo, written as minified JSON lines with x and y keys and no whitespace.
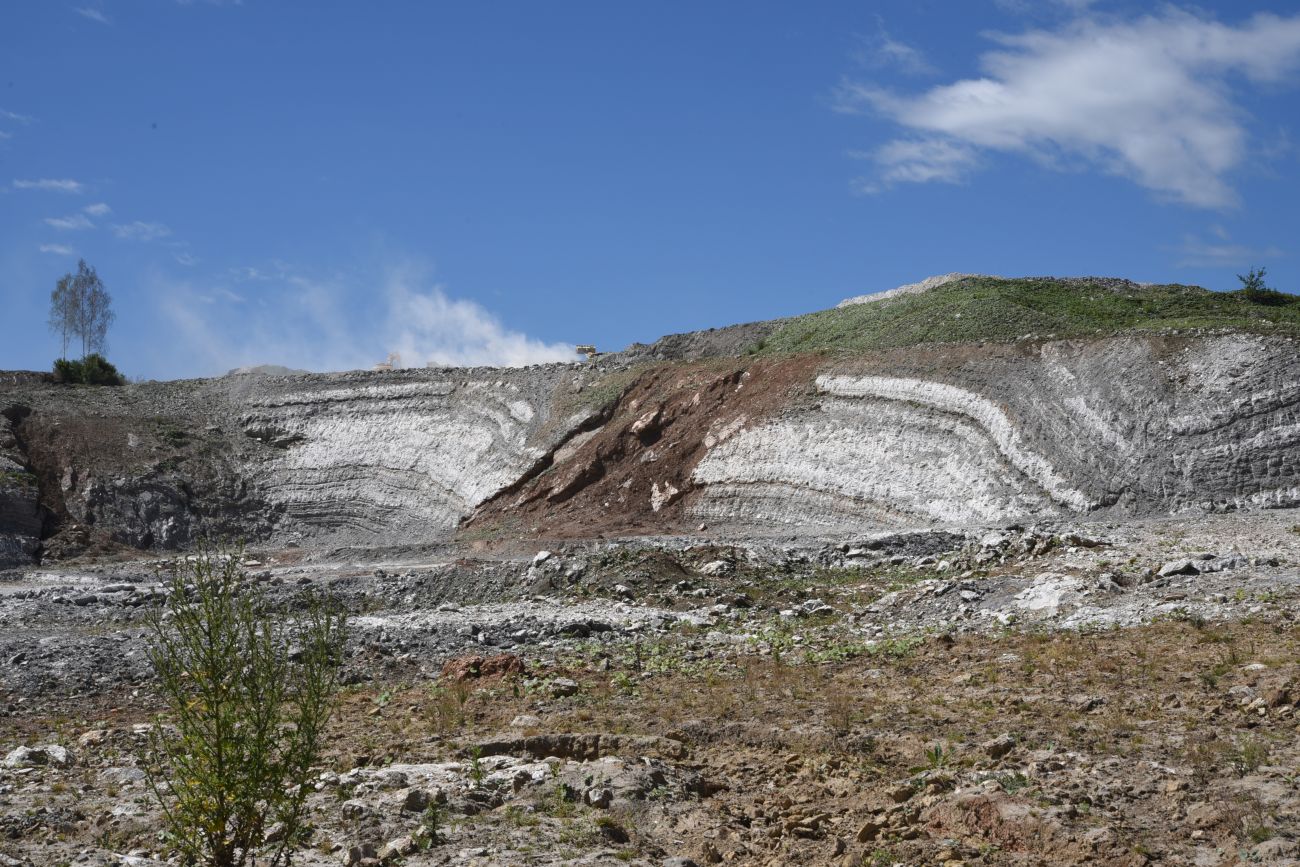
{"x":473,"y":667}
{"x":632,"y":476}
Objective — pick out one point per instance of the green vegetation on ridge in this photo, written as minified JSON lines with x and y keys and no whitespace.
{"x":993,"y":310}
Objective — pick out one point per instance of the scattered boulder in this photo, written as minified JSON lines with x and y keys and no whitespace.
{"x":1178,"y":567}
{"x":562,"y":687}
{"x":31,"y":757}
{"x":395,"y":849}
{"x":999,"y":746}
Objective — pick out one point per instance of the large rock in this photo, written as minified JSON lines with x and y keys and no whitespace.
{"x":31,"y":757}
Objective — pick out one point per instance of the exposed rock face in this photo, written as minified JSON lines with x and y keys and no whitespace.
{"x":946,"y":435}
{"x":970,"y":435}
{"x":20,"y":514}
{"x":368,"y":459}
{"x":345,"y":459}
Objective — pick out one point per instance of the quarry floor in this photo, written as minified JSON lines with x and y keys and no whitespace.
{"x":1065,"y":694}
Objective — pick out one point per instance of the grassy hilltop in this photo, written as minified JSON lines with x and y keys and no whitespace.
{"x":990,"y":309}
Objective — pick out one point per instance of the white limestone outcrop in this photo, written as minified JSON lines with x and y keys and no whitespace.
{"x":1140,"y":425}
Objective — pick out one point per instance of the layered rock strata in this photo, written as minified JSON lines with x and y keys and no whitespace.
{"x":1138,"y":425}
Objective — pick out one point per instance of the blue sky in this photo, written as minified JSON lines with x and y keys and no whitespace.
{"x":317,"y":184}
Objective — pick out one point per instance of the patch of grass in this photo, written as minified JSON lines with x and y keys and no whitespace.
{"x":897,"y":648}
{"x":1248,"y":755}
{"x":987,"y":309}
{"x":558,"y":803}
{"x":446,"y":709}
{"x":17,"y":477}
{"x":602,"y":392}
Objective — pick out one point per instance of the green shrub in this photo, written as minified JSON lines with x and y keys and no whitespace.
{"x":94,"y":369}
{"x":248,"y":694}
{"x":1255,"y":291}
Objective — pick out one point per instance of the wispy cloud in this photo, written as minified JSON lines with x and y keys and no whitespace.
{"x":15,"y":117}
{"x":70,"y":223}
{"x":4,"y":135}
{"x":57,"y":249}
{"x":1221,"y":251}
{"x":56,"y":185}
{"x":917,"y":161}
{"x":186,"y":259}
{"x":141,"y":231}
{"x":1150,"y":99}
{"x":93,"y":14}
{"x":881,"y":50}
{"x":98,"y":209}
{"x":302,"y":322}
{"x":247,"y":273}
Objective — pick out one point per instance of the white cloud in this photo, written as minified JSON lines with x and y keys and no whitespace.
{"x":1221,"y":251}
{"x":305,"y":323}
{"x":1147,"y":99}
{"x":426,"y":326}
{"x":66,"y":224}
{"x":57,"y":249}
{"x":141,"y":231}
{"x":15,"y":117}
{"x":186,"y":259}
{"x":918,"y":161}
{"x":93,"y":14}
{"x":4,"y":135}
{"x":57,"y":185}
{"x":98,"y":209}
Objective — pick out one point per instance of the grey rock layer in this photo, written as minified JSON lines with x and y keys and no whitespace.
{"x":401,"y":459}
{"x":1135,"y":425}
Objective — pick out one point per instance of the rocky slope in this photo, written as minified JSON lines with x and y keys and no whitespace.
{"x":1132,"y":425}
{"x":360,"y":458}
{"x":712,"y":427}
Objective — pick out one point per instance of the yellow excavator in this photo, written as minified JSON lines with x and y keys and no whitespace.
{"x":393,"y":361}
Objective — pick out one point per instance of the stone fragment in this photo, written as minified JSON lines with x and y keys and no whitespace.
{"x":901,"y":793}
{"x":417,"y":800}
{"x":562,"y":687}
{"x":30,"y":757}
{"x":999,"y":746}
{"x":1178,"y":567}
{"x":93,"y":738}
{"x":396,"y":848}
{"x":869,"y":831}
{"x":355,"y":855}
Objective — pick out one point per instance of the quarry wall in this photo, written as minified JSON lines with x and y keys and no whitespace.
{"x":943,"y":435}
